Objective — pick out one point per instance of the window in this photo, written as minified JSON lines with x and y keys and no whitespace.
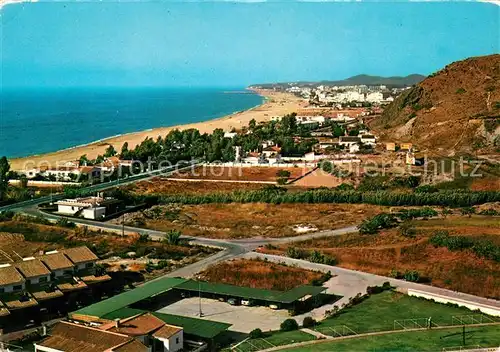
{"x":43,"y":279}
{"x":177,"y":340}
{"x":89,"y":265}
{"x":68,"y":272}
{"x":2,"y":289}
{"x":17,"y":287}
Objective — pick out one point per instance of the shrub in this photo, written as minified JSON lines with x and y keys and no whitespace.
{"x":63,"y":222}
{"x":173,"y":237}
{"x":256,"y":334}
{"x":308,"y":322}
{"x":407,"y":230}
{"x":460,"y":91}
{"x":411,"y":275}
{"x":296,"y":253}
{"x":380,"y":221}
{"x":468,"y":211}
{"x":491,"y":212}
{"x":283,"y":174}
{"x":289,"y":325}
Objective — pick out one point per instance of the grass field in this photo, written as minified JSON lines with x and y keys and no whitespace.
{"x":422,"y":341}
{"x":274,"y":339}
{"x":378,"y":312}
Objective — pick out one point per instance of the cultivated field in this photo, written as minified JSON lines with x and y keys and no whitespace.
{"x":237,"y":220}
{"x":259,"y":274}
{"x":160,"y":186}
{"x":254,"y":174}
{"x":390,"y":251}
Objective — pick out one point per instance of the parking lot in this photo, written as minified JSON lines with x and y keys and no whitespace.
{"x":243,"y":319}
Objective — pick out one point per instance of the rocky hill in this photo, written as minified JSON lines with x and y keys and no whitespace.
{"x":454,"y":110}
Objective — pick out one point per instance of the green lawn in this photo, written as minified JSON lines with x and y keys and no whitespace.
{"x":378,"y":312}
{"x":422,"y":341}
{"x":274,"y":339}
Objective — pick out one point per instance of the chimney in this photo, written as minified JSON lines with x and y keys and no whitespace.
{"x":117,"y":323}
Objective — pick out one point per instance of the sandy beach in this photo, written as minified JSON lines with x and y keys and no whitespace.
{"x":276,"y":104}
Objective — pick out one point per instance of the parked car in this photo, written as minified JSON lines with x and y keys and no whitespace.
{"x":233,"y":301}
{"x":222,"y":299}
{"x":274,"y":306}
{"x":247,"y":302}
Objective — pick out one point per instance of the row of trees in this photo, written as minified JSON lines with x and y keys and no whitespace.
{"x":277,"y":195}
{"x":190,"y":143}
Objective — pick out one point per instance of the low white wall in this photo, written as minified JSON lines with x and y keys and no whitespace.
{"x":443,"y":299}
{"x":45,"y":183}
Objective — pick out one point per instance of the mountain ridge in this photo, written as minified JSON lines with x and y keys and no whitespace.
{"x":361,"y":79}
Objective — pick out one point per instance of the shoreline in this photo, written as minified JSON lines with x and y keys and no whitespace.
{"x":273,"y":104}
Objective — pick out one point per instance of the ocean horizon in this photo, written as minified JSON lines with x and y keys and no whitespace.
{"x":42,"y":120}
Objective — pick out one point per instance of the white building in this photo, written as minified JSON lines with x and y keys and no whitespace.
{"x":347,"y":141}
{"x":374,"y":97}
{"x":89,"y":207}
{"x":368,"y":139}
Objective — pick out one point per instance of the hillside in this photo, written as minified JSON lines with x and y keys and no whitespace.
{"x":391,"y":82}
{"x":456,"y":109}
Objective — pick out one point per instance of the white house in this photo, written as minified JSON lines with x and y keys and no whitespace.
{"x":230,"y":134}
{"x":89,"y":207}
{"x":374,"y":97}
{"x":368,"y":139}
{"x":171,"y":336}
{"x":349,"y":140}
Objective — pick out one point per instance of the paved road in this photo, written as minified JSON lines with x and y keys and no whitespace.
{"x":99,"y":187}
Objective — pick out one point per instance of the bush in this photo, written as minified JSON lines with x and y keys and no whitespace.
{"x":289,"y":325}
{"x":320,"y":258}
{"x":407,"y":230}
{"x":256,"y":334}
{"x":380,"y":221}
{"x":411,"y":275}
{"x":283,"y":174}
{"x":296,"y":253}
{"x":308,"y":322}
{"x":173,"y":237}
{"x":491,"y":212}
{"x":63,"y":222}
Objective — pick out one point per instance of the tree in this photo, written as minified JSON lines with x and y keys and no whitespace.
{"x":468,"y":211}
{"x":256,"y":334}
{"x":173,"y":237}
{"x":110,"y":151}
{"x":289,"y":325}
{"x":4,"y":181}
{"x":84,"y":160}
{"x":23,"y":181}
{"x":308,"y":322}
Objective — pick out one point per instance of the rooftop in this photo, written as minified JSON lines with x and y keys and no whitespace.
{"x":166,"y":331}
{"x":138,"y":325}
{"x":127,"y":298}
{"x":32,"y":268}
{"x":80,"y":255}
{"x":56,"y":261}
{"x":69,"y":337}
{"x":10,"y":276}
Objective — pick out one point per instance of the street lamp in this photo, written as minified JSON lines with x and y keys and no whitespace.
{"x":200,"y":313}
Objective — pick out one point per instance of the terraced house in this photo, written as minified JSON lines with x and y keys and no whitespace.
{"x":32,"y":280}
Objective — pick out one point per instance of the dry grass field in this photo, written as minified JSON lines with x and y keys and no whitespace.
{"x":259,"y":274}
{"x":238,"y":220}
{"x":380,"y":254}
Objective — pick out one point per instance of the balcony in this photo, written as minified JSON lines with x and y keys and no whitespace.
{"x":17,"y":300}
{"x":66,"y":284}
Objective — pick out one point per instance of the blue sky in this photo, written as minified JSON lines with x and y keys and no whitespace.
{"x":236,"y":44}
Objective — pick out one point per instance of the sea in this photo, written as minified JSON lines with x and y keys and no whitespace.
{"x":37,"y":121}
